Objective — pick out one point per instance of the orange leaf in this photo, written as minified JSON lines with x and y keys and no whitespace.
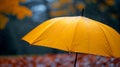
{"x":65,"y":1}
{"x":12,"y":7}
{"x":56,"y":5}
{"x":114,"y":16}
{"x":3,"y":21}
{"x":102,"y":7}
{"x":80,"y":6}
{"x":110,"y":2}
{"x":59,"y":13}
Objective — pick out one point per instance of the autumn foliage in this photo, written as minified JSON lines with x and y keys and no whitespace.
{"x":59,"y":60}
{"x":12,"y":7}
{"x":67,"y":7}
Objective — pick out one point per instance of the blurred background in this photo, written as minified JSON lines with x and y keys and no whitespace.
{"x":18,"y":17}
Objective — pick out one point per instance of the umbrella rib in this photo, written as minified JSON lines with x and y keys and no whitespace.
{"x":110,"y":33}
{"x":88,"y":42}
{"x":105,"y":38}
{"x":74,"y":35}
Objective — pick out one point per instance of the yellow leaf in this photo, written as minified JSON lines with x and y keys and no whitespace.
{"x":22,"y":11}
{"x":94,"y":1}
{"x":114,"y":16}
{"x":65,"y":1}
{"x":12,"y":7}
{"x":3,"y":21}
{"x":110,"y":2}
{"x":56,"y":5}
{"x":23,"y":0}
{"x":71,"y":8}
{"x":80,"y":6}
{"x":59,"y":13}
{"x":102,"y":7}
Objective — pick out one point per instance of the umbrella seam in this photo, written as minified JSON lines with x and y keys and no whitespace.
{"x":74,"y":35}
{"x":88,"y":35}
{"x":49,"y":27}
{"x":106,"y":39}
{"x":111,"y":33}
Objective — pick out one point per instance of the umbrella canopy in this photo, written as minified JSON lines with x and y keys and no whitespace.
{"x":76,"y":34}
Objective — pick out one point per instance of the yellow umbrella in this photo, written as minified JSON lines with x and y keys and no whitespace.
{"x":76,"y":34}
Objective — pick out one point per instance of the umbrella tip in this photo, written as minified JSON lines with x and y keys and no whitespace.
{"x":82,"y":12}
